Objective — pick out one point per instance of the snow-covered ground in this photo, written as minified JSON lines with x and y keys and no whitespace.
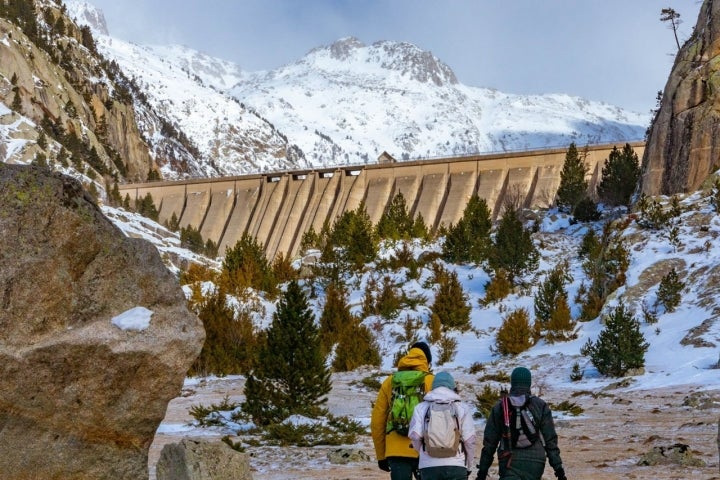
{"x":671,"y":368}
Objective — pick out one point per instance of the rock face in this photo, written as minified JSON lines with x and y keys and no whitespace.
{"x":201,"y":460}
{"x":683,"y":146}
{"x":81,"y":397}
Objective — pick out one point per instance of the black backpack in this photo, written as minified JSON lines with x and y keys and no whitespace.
{"x":521,"y":427}
{"x":524,"y":426}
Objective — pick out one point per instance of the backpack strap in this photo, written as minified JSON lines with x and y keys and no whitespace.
{"x":506,"y":438}
{"x":536,"y":420}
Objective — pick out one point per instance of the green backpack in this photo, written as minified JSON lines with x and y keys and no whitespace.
{"x":408,"y":390}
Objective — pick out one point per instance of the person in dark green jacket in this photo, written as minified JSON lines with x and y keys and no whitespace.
{"x":521,"y":463}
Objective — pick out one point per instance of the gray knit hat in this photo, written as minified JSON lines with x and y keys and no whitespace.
{"x":443,"y":379}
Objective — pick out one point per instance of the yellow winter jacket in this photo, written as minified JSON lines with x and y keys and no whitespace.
{"x":393,"y":444}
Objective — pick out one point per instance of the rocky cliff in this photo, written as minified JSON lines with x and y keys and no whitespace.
{"x":684,"y":142}
{"x":52,"y":73}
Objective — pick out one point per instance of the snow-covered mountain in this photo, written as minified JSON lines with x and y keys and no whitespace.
{"x":347,"y":103}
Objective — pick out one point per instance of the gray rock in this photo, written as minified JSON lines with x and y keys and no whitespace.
{"x":195,"y":459}
{"x":343,"y":456}
{"x":678,"y":453}
{"x":82,"y":398}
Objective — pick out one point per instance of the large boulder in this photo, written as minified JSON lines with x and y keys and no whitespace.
{"x":684,"y":142}
{"x":197,"y":459}
{"x":95,"y":335}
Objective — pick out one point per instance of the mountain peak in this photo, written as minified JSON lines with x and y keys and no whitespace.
{"x":86,"y":14}
{"x":419,"y":64}
{"x":401,"y":57}
{"x":343,"y":48}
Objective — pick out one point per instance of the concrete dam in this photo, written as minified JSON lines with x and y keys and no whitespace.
{"x":278,"y":208}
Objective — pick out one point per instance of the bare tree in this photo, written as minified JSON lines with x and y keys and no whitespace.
{"x":670,"y":15}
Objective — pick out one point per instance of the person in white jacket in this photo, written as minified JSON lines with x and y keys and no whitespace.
{"x":455,"y":467}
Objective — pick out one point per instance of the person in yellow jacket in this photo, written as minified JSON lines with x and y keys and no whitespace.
{"x":394,"y":451}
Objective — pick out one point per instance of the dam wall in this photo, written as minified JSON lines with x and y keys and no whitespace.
{"x":278,"y":208}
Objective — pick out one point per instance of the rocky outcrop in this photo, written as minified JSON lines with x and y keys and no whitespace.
{"x":66,"y":87}
{"x":195,"y":459}
{"x":84,"y":384}
{"x":684,"y":142}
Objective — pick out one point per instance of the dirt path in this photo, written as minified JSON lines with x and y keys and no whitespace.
{"x":606,"y":442}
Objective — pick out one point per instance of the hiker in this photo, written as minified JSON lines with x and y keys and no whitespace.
{"x":446,"y":448}
{"x":522,"y":439}
{"x":388,"y":425}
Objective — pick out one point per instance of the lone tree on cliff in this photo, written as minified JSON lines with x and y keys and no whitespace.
{"x":670,"y":15}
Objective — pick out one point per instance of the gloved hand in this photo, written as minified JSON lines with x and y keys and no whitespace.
{"x":383,"y":465}
{"x":560,"y":474}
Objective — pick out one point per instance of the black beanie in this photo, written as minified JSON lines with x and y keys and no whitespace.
{"x":520,"y":377}
{"x":425,"y":348}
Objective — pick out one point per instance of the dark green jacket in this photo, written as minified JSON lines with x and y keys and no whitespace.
{"x":529,"y":460}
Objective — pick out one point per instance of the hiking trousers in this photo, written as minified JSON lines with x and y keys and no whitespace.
{"x":402,"y":468}
{"x":522,"y":470}
{"x":444,"y":473}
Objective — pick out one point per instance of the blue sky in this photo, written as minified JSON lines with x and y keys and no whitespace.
{"x":615,"y":51}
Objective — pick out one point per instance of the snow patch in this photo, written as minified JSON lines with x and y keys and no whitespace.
{"x":137,"y":318}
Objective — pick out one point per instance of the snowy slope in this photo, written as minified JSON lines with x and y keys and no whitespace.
{"x":229,"y":136}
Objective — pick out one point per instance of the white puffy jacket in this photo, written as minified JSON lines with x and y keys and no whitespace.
{"x":464,"y":457}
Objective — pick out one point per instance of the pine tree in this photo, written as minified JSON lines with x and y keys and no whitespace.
{"x":560,"y":326}
{"x":620,"y":345}
{"x":513,"y":250}
{"x":246,"y":266}
{"x":290,"y":376}
{"x":282,"y":269}
{"x":451,"y":305}
{"x":173,"y":223}
{"x":586,"y":210}
{"x":16,"y":104}
{"x":395,"y":222}
{"x":419,"y":228}
{"x":469,"y":239}
{"x":514,"y":335}
{"x":573,"y":185}
{"x":369,"y":306}
{"x":356,"y":347}
{"x":605,"y":266}
{"x":620,"y":176}
{"x":42,"y":140}
{"x":546,"y":298}
{"x":669,"y":292}
{"x":230,"y":340}
{"x":354,"y":235}
{"x":146,"y":207}
{"x":388,"y":301}
{"x":497,"y":288}
{"x":115,"y":197}
{"x":589,"y":243}
{"x":335,"y":317}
